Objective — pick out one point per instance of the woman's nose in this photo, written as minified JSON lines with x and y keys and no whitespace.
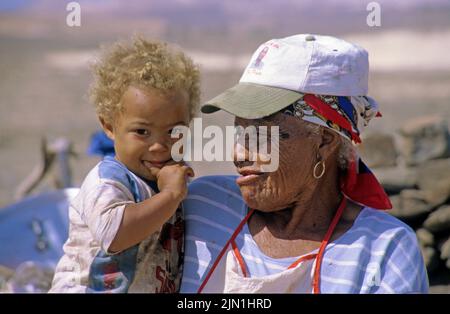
{"x":245,"y":154}
{"x":241,"y":156}
{"x":240,"y":153}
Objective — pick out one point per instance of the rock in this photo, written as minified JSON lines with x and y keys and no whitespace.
{"x":396,"y":179}
{"x":433,"y":198}
{"x":410,"y":206}
{"x":434,"y":174}
{"x":5,"y":275}
{"x":378,"y":150}
{"x":425,"y":237}
{"x":438,"y":196}
{"x":30,"y":277}
{"x":413,"y":201}
{"x":395,"y":200}
{"x":445,"y":250}
{"x":423,"y":139}
{"x":441,"y":238}
{"x":430,"y":258}
{"x":396,"y":210}
{"x":6,"y":272}
{"x":439,"y":220}
{"x":439,"y":289}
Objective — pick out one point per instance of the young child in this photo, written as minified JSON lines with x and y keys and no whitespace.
{"x":126,"y":224}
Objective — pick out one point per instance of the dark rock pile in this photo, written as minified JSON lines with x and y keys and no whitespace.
{"x":413,"y":165}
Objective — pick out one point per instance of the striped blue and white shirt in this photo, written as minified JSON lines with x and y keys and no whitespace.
{"x":153,"y":265}
{"x":378,"y":254}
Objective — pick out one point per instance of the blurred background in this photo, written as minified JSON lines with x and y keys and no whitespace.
{"x":45,"y":75}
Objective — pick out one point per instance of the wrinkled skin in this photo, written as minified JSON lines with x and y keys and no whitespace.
{"x":294,"y":209}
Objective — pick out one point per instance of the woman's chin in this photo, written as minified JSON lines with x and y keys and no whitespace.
{"x":251,"y":198}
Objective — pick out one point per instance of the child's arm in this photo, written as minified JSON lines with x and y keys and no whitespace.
{"x":142,"y":219}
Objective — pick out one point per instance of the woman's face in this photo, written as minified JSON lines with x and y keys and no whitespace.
{"x":298,"y":148}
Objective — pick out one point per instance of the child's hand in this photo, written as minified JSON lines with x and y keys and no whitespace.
{"x":173,"y":178}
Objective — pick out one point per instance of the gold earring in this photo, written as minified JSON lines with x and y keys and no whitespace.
{"x":322,"y":163}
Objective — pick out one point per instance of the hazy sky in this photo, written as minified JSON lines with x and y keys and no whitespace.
{"x":12,"y":5}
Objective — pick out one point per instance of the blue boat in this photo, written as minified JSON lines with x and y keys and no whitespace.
{"x":35,"y":229}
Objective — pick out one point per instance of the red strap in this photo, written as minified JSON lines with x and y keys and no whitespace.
{"x":319,"y":255}
{"x":302,"y":259}
{"x":240,"y":259}
{"x":238,"y":256}
{"x":219,"y":257}
{"x":334,"y":222}
{"x":329,"y":113}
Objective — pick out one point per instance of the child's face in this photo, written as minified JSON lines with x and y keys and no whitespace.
{"x":141,"y":131}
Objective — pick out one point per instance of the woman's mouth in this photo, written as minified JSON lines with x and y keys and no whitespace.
{"x":248,"y":176}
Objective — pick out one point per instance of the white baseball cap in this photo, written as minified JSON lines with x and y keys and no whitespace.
{"x":281,"y":71}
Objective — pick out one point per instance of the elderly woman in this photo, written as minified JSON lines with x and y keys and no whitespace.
{"x":315,"y":223}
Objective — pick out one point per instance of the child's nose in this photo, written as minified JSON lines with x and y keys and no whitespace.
{"x":157,"y":147}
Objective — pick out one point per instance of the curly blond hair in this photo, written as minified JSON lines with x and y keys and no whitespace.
{"x":141,"y":63}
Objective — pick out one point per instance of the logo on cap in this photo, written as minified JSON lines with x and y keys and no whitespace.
{"x":258,"y":64}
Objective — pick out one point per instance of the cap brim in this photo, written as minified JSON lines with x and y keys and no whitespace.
{"x":251,"y":101}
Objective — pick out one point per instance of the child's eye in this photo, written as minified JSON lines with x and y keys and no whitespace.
{"x":141,"y":132}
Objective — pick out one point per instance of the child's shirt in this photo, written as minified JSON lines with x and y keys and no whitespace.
{"x":154,"y":265}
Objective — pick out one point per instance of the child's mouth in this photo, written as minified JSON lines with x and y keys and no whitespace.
{"x":155,"y":163}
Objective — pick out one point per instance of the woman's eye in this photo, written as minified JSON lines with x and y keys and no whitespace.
{"x":142,"y":131}
{"x":262,"y":133}
{"x":284,"y":135}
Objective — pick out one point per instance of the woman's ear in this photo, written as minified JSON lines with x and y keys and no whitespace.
{"x":107,"y":128}
{"x":330,"y":142}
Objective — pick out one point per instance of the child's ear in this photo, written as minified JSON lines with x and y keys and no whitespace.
{"x":107,"y":128}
